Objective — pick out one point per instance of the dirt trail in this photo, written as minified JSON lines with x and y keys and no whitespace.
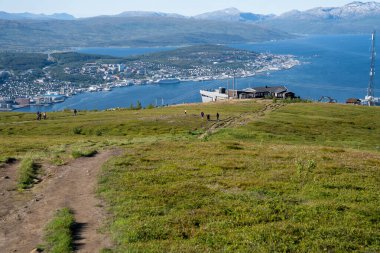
{"x":73,"y":185}
{"x":241,"y":119}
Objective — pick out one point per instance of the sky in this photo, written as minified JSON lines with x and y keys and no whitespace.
{"x":87,"y":8}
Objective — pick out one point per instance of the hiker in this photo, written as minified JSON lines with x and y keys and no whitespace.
{"x":44,"y":115}
{"x":208,"y":117}
{"x":75,"y":112}
{"x":185,"y":112}
{"x":217,"y":116}
{"x":202,"y":115}
{"x":38,"y":115}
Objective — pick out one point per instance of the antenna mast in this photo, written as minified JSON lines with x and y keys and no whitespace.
{"x":371,"y":84}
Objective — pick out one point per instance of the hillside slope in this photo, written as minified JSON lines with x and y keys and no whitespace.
{"x":267,"y":178}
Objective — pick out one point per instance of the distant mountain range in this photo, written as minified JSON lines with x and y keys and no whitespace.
{"x":352,"y":10}
{"x":27,"y":15}
{"x":135,"y":28}
{"x":355,"y":17}
{"x":147,"y":14}
{"x":233,"y":14}
{"x":41,"y":35}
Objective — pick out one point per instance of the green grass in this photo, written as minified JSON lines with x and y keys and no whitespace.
{"x":304,"y":178}
{"x":27,"y":173}
{"x":58,"y":233}
{"x":206,"y":197}
{"x":315,"y":124}
{"x":20,"y":132}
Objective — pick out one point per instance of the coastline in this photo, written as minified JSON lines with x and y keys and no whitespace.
{"x":117,"y":85}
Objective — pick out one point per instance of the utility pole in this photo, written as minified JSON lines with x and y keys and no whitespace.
{"x":233,"y":86}
{"x":371,"y":84}
{"x":236,"y":90}
{"x":228,"y":90}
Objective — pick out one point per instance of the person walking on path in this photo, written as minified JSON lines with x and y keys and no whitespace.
{"x":75,"y":112}
{"x":185,"y":112}
{"x":217,"y":116}
{"x":44,"y":115}
{"x":202,"y":115}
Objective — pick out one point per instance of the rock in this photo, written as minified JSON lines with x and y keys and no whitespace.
{"x":35,"y":251}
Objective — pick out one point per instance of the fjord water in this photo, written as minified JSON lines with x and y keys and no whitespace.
{"x":332,"y":65}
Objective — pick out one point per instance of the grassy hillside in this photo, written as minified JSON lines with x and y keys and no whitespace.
{"x":302,"y":178}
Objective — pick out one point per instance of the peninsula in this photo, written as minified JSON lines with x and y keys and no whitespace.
{"x":29,"y":77}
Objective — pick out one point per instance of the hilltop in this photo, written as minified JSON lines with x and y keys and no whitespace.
{"x":267,"y":177}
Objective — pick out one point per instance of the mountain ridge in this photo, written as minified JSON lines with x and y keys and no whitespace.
{"x":353,"y":9}
{"x":356,"y":8}
{"x":127,"y":31}
{"x":33,"y":16}
{"x":139,"y":28}
{"x":355,"y":17}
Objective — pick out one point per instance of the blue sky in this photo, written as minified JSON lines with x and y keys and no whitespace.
{"x":85,"y":8}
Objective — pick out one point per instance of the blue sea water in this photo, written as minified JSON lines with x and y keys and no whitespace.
{"x":332,"y":65}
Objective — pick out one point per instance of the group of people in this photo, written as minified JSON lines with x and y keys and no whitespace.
{"x":208,"y":116}
{"x":41,"y":115}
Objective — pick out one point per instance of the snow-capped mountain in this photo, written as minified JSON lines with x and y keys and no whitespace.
{"x":355,"y":17}
{"x":232,"y":14}
{"x":148,"y":14}
{"x":351,"y":10}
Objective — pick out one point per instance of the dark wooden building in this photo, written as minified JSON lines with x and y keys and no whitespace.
{"x":354,"y":101}
{"x":263,"y":92}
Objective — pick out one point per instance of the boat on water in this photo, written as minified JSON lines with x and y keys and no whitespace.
{"x":93,"y":88}
{"x":168,"y":81}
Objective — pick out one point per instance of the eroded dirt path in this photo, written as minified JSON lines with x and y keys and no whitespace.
{"x":242,"y":119}
{"x":24,"y":215}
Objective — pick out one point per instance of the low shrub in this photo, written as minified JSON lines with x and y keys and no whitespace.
{"x":77,"y":130}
